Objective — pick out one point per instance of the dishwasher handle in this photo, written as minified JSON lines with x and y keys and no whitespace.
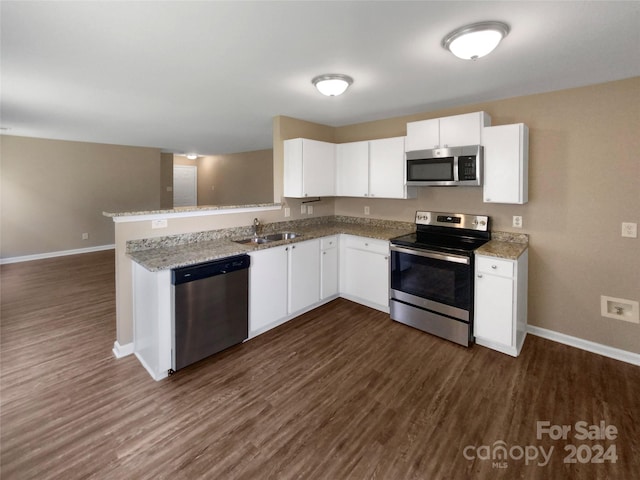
{"x":209,"y":269}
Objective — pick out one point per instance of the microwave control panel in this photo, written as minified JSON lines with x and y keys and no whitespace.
{"x":467,"y":167}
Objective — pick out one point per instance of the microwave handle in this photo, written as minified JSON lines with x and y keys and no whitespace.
{"x":456,"y":177}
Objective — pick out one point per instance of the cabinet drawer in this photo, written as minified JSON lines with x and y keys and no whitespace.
{"x":494,"y":266}
{"x":368,"y":244}
{"x":328,"y":242}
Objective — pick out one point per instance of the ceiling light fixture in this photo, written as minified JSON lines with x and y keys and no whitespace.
{"x":332,"y":84}
{"x":476,"y":40}
{"x":192,"y":156}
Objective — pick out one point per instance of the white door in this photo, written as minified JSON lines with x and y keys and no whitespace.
{"x":185,"y":186}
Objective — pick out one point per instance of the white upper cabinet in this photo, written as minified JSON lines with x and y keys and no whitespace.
{"x":386,"y":169}
{"x":374,"y":168}
{"x":353,"y":169}
{"x":454,"y":131}
{"x":423,"y":135}
{"x":506,"y":164}
{"x":309,"y":168}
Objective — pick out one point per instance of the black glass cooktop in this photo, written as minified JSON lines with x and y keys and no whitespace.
{"x":441,"y":243}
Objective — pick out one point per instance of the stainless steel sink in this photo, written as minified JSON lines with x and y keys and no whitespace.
{"x":273,"y":237}
{"x":256,"y":240}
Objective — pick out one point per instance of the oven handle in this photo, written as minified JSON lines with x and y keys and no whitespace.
{"x":447,"y":257}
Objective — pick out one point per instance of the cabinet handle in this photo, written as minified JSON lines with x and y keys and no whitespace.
{"x":366,"y":244}
{"x":479,"y":275}
{"x":494,"y":266}
{"x":324,"y":253}
{"x":386,"y":258}
{"x":372,"y":195}
{"x":292,"y":247}
{"x":366,"y":194}
{"x":286,"y":249}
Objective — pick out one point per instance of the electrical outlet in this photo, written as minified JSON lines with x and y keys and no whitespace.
{"x":159,"y":223}
{"x":367,"y":211}
{"x":310,"y":209}
{"x":517,"y":221}
{"x":85,"y":236}
{"x":629,"y":230}
{"x":303,"y":209}
{"x":287,"y":212}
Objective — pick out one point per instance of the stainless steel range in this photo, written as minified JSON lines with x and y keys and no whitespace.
{"x":432,"y":274}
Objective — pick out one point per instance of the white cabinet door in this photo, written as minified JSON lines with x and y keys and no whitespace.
{"x":494,"y":308}
{"x":386,"y":168}
{"x":352,"y":169}
{"x":319,"y":168}
{"x":309,"y":168}
{"x":329,"y":267}
{"x":500,"y":312}
{"x":293,"y":168}
{"x":304,"y":274}
{"x":364,"y":274}
{"x":267,"y":287}
{"x":423,"y":135}
{"x":461,"y":130}
{"x":506,"y":164}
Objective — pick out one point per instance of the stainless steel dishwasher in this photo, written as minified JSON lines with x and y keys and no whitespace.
{"x":211,"y":308}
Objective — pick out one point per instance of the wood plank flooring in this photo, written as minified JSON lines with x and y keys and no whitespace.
{"x":339,"y":393}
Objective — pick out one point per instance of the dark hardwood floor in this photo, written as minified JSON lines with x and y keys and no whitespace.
{"x":339,"y":393}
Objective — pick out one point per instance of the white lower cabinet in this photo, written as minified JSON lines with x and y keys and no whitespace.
{"x":328,"y":267}
{"x":304,"y":275}
{"x":364,"y":271}
{"x":282,"y":281}
{"x":268,"y":275}
{"x":500,"y":316}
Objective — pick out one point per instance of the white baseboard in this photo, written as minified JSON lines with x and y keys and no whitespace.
{"x":122,"y":350}
{"x":62,"y":253}
{"x":154,"y":375}
{"x":604,"y":350}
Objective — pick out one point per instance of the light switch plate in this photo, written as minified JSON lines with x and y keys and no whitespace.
{"x":309,"y":209}
{"x":629,"y":230}
{"x":287,"y":212}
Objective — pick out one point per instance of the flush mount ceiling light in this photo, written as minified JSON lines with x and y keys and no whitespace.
{"x":476,"y":40}
{"x":332,"y":84}
{"x":192,"y":156}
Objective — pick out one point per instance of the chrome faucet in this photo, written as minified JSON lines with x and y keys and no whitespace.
{"x":256,"y":227}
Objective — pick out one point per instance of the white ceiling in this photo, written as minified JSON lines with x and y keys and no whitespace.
{"x":210,"y":76}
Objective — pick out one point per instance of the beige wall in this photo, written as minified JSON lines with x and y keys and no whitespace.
{"x":53,"y":191}
{"x":166,"y":180}
{"x":233,"y":179}
{"x":584,"y":181}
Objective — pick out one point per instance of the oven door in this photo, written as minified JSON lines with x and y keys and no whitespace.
{"x":435,"y":281}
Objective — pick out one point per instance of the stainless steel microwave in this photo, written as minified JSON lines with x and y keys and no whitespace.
{"x":449,"y":167}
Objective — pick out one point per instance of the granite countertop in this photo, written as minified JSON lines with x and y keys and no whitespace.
{"x":505,"y":245}
{"x":174,"y":256}
{"x":165,"y":253}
